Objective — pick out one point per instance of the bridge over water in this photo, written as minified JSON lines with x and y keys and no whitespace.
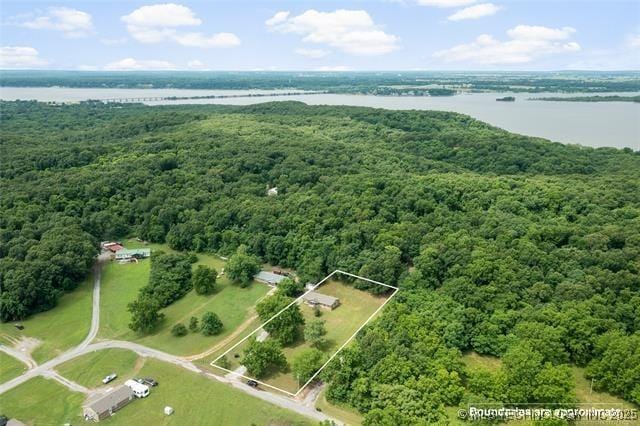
{"x":141,"y":99}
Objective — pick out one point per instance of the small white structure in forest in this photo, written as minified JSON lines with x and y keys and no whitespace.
{"x":272,"y":192}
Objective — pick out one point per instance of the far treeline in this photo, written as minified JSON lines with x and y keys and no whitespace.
{"x":597,"y":98}
{"x":502,"y":244}
{"x":414,"y":83}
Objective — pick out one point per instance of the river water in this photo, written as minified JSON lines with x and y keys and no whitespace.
{"x":595,"y":124}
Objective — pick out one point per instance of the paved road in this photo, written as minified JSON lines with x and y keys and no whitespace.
{"x":95,"y":312}
{"x":19,"y":355}
{"x":48,"y":368}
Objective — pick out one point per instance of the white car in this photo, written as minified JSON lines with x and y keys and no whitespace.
{"x":111,"y":377}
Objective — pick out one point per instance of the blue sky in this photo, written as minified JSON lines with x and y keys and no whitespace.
{"x":321,"y":35}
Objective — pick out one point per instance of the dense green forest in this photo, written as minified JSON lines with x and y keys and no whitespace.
{"x":382,"y":83}
{"x":504,"y":244}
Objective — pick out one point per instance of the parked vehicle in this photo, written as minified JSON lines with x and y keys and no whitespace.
{"x":150,"y":382}
{"x":139,"y":390}
{"x":252,"y":383}
{"x":111,"y":377}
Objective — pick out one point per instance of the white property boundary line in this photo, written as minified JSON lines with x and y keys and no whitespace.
{"x":287,"y":307}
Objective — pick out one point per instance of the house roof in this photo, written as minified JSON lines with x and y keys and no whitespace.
{"x":111,"y":399}
{"x":323,"y":299}
{"x":112,"y":246}
{"x":269,"y":277}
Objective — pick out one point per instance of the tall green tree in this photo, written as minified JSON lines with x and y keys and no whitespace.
{"x":258,"y":357}
{"x":286,"y":326}
{"x":315,"y":333}
{"x":305,"y":365}
{"x":204,"y":279}
{"x":145,"y":314}
{"x":210,"y":324}
{"x":242,"y":266}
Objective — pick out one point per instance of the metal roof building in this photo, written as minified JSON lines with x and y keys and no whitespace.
{"x":269,"y":277}
{"x":108,"y":404}
{"x":129,"y":253}
{"x":318,"y":299}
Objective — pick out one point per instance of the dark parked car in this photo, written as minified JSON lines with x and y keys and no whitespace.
{"x":149,"y":382}
{"x":252,"y":383}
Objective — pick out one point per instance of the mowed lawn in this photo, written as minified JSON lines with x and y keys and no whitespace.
{"x":58,"y":329}
{"x":198,"y":401}
{"x":356,"y":306}
{"x":120,"y":286}
{"x":10,"y":368}
{"x":350,"y":416}
{"x":90,"y":369}
{"x":43,"y":402}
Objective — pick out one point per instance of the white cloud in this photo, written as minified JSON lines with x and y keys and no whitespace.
{"x":201,"y":40}
{"x":117,"y":41}
{"x":277,"y":18}
{"x":71,"y":22}
{"x":526,"y":44}
{"x":351,"y":31}
{"x":445,"y":3}
{"x":335,"y":68}
{"x":634,"y":41}
{"x":20,"y":57}
{"x":535,"y":32}
{"x":312,"y":53}
{"x":196,"y":64}
{"x":161,"y":22}
{"x":131,"y":64}
{"x":475,"y":12}
{"x":162,"y":15}
{"x":87,"y":68}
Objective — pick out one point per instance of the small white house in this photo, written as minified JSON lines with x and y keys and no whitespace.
{"x":139,"y":390}
{"x":272,"y":192}
{"x":168,"y":410}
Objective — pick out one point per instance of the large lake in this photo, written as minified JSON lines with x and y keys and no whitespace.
{"x":596,"y":124}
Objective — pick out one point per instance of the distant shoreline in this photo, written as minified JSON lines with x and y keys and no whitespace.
{"x":611,"y":98}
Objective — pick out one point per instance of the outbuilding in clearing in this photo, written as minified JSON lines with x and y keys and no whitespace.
{"x":314,"y":299}
{"x":269,"y":278}
{"x":108,"y":404}
{"x":125,"y":254}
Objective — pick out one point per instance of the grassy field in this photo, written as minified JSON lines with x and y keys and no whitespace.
{"x":59,"y":329}
{"x":10,"y":367}
{"x":585,"y":395}
{"x":43,"y":402}
{"x":474,"y":360}
{"x":348,"y":415}
{"x":120,"y":286}
{"x":90,"y":369}
{"x":198,"y":400}
{"x":355,"y":308}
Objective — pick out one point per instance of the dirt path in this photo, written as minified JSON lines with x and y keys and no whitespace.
{"x":22,"y":351}
{"x":239,"y":330}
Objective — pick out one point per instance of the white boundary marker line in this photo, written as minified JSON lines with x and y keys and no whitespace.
{"x":347,"y":342}
{"x":287,"y":307}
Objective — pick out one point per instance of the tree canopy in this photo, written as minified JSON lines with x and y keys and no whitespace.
{"x":497,"y":241}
